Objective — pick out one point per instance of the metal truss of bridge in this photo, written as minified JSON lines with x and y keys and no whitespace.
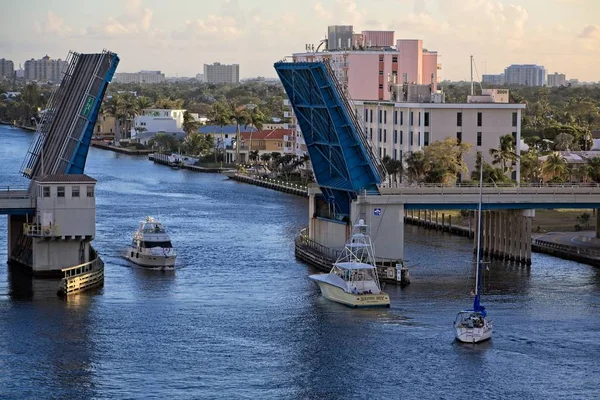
{"x":64,"y":134}
{"x":343,"y":161}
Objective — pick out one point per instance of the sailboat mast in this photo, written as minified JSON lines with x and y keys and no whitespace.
{"x":478,"y":274}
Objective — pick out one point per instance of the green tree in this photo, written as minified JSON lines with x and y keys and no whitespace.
{"x":240,"y":117}
{"x":190,"y":125}
{"x":505,"y":155}
{"x":164,"y":142}
{"x":265,"y":157}
{"x":531,"y":167}
{"x":255,"y":119}
{"x":444,"y":160}
{"x":554,"y":167}
{"x":393,"y":168}
{"x":563,"y":141}
{"x":415,"y":166}
{"x":593,"y":169}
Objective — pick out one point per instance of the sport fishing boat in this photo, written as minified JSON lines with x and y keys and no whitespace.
{"x":151,"y":246}
{"x":353,"y":280}
{"x":473,"y":326}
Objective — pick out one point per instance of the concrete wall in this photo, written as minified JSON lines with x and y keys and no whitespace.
{"x":430,"y":61}
{"x":329,"y":233}
{"x":387,"y":226}
{"x":411,"y":60}
{"x":52,"y":255}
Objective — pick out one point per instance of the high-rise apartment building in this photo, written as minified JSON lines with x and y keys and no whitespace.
{"x":525,"y":74}
{"x":7,"y":69}
{"x":366,"y":74}
{"x":141,"y":77}
{"x":221,"y":73}
{"x":556,"y":79}
{"x":44,"y":69}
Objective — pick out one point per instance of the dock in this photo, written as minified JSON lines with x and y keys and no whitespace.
{"x":270,"y":183}
{"x":163,"y":159}
{"x":123,"y":150}
{"x":322,"y":258}
{"x":82,"y":277}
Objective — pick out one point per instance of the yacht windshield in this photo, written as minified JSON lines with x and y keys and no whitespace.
{"x":153,"y":228}
{"x":165,"y":244}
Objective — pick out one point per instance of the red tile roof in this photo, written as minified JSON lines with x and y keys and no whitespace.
{"x":271,"y":134}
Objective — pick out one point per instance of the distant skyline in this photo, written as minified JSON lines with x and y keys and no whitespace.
{"x":180,"y":36}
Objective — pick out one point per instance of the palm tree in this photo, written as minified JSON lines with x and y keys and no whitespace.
{"x":554,"y":167}
{"x":194,"y":143}
{"x":415,"y":166}
{"x":505,"y":155}
{"x":190,"y":125}
{"x":116,"y":108}
{"x":593,"y":169}
{"x":240,"y":117}
{"x":220,"y":115}
{"x":253,"y":155}
{"x":531,"y":167}
{"x":164,"y":141}
{"x":255,"y":119}
{"x":265,"y":157}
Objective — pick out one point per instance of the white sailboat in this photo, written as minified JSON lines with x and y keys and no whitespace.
{"x":353,"y":280}
{"x":473,"y":326}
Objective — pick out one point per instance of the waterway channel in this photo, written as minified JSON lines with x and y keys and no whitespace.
{"x":239,"y":318}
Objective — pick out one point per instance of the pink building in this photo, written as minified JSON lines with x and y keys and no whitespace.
{"x":378,"y":38}
{"x":366,"y":73}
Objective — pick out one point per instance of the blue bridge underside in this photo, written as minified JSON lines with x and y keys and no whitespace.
{"x":343,"y":163}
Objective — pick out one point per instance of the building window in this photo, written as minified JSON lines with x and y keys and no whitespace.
{"x":98,"y":129}
{"x":426,"y":139}
{"x":514,"y":135}
{"x":411,"y":119}
{"x":60,"y":191}
{"x":371,"y":114}
{"x":394,"y":59}
{"x":458,"y":119}
{"x":401,"y":137}
{"x":74,"y":191}
{"x":371,"y":134}
{"x":478,"y":138}
{"x":366,"y":116}
{"x":385,"y":136}
{"x":379,"y":120}
{"x":395,"y":154}
{"x":381,"y":86}
{"x":419,"y":138}
{"x":385,"y":116}
{"x":426,"y":119}
{"x":380,"y":72}
{"x":395,"y":117}
{"x":514,"y":119}
{"x":401,"y":118}
{"x":379,"y":135}
{"x":90,"y":191}
{"x":419,"y":118}
{"x":46,"y":191}
{"x":411,"y":137}
{"x":459,"y":137}
{"x":400,"y":155}
{"x":381,"y":58}
{"x":384,"y":152}
{"x":395,"y":136}
{"x":479,"y":119}
{"x":380,"y":152}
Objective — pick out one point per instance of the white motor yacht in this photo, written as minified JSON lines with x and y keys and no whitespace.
{"x":151,"y":246}
{"x":353,"y":280}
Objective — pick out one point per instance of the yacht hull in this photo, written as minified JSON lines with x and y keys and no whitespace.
{"x":337,"y":294}
{"x":150,"y":261}
{"x":473,"y":335}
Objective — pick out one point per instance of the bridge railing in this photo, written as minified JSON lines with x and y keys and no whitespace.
{"x":510,"y":188}
{"x":14,"y":192}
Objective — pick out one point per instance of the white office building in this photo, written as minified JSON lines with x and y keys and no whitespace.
{"x":525,"y":75}
{"x":397,"y":129}
{"x":221,"y":73}
{"x":141,"y":77}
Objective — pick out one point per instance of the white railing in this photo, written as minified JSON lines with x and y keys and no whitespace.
{"x":81,"y":277}
{"x":13,"y":192}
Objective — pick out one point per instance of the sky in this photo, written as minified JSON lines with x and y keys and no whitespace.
{"x":179,"y":36}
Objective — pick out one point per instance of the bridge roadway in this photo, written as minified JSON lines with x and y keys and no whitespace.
{"x":524,"y":196}
{"x":16,"y":201}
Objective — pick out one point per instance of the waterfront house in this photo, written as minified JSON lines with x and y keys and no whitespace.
{"x":263,"y":141}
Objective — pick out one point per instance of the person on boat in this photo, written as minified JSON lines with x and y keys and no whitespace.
{"x":354,"y":290}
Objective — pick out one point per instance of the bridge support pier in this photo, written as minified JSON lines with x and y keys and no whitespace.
{"x":506,"y":235}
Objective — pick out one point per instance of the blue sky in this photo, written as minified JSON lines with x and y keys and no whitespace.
{"x":179,"y":36}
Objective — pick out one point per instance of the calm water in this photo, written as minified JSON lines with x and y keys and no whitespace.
{"x":239,"y":317}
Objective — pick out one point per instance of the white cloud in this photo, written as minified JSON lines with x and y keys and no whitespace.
{"x":53,"y":25}
{"x":133,"y":21}
{"x":343,"y":12}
